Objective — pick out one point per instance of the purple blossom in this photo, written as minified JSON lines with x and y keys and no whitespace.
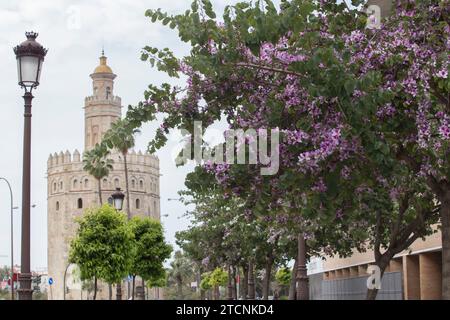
{"x":320,"y":186}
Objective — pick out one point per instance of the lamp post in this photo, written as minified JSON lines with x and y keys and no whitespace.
{"x":30,"y":56}
{"x":302,"y":273}
{"x":12,"y":237}
{"x":117,"y":200}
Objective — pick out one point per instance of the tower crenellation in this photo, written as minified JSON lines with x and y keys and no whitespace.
{"x":76,"y":156}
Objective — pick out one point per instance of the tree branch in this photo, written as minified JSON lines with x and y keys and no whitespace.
{"x":377,"y":245}
{"x":257,"y":66}
{"x":402,"y":209}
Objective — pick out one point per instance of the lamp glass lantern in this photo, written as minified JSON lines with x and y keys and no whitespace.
{"x":118,"y":197}
{"x":30,"y":57}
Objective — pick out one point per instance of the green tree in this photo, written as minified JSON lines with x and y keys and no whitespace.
{"x":151,"y":250}
{"x":218,"y":278}
{"x":205,"y":283}
{"x":96,"y":163}
{"x":103,"y":246}
{"x":283,"y":276}
{"x":181,"y":269}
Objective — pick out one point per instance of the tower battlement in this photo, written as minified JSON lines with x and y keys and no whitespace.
{"x":57,"y":160}
{"x":63,"y":158}
{"x":116,"y":100}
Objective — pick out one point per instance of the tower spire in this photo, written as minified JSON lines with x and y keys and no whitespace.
{"x":103,"y":50}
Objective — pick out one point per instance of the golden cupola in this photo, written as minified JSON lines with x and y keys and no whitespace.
{"x":103,"y":66}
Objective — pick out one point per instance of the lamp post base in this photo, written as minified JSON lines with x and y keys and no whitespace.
{"x":25,"y":291}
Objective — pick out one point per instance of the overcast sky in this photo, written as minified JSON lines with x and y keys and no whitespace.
{"x":74,"y":32}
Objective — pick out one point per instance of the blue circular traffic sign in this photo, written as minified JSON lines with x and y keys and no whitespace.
{"x":50,"y":281}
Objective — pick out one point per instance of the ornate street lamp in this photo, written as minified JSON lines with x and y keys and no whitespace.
{"x":118,"y":197}
{"x":30,"y":56}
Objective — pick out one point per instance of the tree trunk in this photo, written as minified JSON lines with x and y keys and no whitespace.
{"x":95,"y":288}
{"x":292,"y":287}
{"x":251,"y":281}
{"x":119,"y":291}
{"x":302,"y":275}
{"x":267,"y":275}
{"x":109,"y":291}
{"x":244,"y":284}
{"x":180,"y":288}
{"x":126,"y":184}
{"x":382,"y":264}
{"x":230,"y":284}
{"x":235,"y":293}
{"x":276,"y":293}
{"x":134,"y":286}
{"x":199,"y":280}
{"x":216,"y":293}
{"x":100,"y":192}
{"x":445,"y":220}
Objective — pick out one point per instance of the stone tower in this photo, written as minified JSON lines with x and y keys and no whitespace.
{"x":71,"y":190}
{"x":102,"y":108}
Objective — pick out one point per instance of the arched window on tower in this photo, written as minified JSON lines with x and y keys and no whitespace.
{"x":116,"y":183}
{"x":57,"y":205}
{"x":75,"y":183}
{"x":133,"y":183}
{"x":80,"y":203}
{"x":61,"y":184}
{"x":141,"y":184}
{"x":108,"y":92}
{"x":105,"y":183}
{"x":138,"y":204}
{"x":86,"y":183}
{"x":54,"y":186}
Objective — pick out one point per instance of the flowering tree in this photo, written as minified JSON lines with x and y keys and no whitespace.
{"x":231,"y":230}
{"x":363,"y":113}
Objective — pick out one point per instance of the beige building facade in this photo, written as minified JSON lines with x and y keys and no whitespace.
{"x":418,"y":269}
{"x":71,"y":190}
